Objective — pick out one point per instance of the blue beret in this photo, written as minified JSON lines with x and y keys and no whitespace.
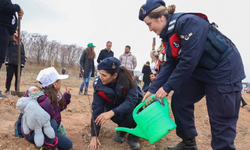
{"x":109,"y":63}
{"x":148,"y":7}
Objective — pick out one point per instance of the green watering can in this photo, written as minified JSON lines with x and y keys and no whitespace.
{"x":153,"y":122}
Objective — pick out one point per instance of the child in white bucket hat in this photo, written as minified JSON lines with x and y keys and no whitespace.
{"x":53,"y":103}
{"x":48,"y":76}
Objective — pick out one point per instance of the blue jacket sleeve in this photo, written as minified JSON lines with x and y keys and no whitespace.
{"x":192,"y":49}
{"x":7,"y":6}
{"x":98,"y":108}
{"x":129,"y":103}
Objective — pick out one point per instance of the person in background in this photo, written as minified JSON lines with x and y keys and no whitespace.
{"x":128,"y":60}
{"x":115,"y":97}
{"x":158,"y":56}
{"x":152,"y":78}
{"x":12,"y":61}
{"x":146,"y":75}
{"x":87,"y":67}
{"x":63,"y":71}
{"x":8,"y":26}
{"x":201,"y":61}
{"x":107,"y":52}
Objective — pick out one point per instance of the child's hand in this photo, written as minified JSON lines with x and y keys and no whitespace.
{"x":68,"y":89}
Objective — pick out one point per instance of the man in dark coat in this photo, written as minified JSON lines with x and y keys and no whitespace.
{"x":107,"y":52}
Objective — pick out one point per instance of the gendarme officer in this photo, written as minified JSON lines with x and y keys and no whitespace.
{"x":200,"y":61}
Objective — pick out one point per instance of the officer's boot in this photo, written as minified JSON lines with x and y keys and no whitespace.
{"x":119,"y":136}
{"x":132,"y":140}
{"x":80,"y":92}
{"x":189,"y":144}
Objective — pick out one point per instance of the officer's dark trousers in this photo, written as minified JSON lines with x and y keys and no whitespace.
{"x":223,"y":103}
{"x":11,"y":70}
{"x":4,"y":41}
{"x":124,"y":121}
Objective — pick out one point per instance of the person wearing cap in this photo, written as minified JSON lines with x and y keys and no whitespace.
{"x":107,"y":52}
{"x":8,"y":26}
{"x":201,"y":61}
{"x":53,"y":103}
{"x":87,"y":67}
{"x":115,"y":97}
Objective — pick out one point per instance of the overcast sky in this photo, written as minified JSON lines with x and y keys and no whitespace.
{"x":98,"y":21}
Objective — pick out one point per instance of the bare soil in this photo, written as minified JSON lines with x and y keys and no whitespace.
{"x":76,"y":120}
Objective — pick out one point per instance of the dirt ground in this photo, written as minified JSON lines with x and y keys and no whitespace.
{"x":76,"y":120}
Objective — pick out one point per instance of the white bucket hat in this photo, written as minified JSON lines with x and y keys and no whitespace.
{"x":48,"y":76}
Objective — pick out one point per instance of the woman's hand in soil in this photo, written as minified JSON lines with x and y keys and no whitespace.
{"x":102,"y":118}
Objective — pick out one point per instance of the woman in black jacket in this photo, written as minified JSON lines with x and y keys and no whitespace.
{"x":146,"y":75}
{"x":115,"y":97}
{"x":87,"y":67}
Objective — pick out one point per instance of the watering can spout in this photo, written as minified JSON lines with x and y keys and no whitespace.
{"x":136,"y":131}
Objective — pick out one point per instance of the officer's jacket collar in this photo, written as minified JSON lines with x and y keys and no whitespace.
{"x":108,"y":90}
{"x":163,"y":34}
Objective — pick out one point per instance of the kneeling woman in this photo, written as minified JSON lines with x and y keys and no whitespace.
{"x":115,"y":98}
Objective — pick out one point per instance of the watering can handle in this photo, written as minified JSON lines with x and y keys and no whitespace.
{"x":144,"y":103}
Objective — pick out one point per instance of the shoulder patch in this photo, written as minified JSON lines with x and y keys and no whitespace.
{"x":187,"y":36}
{"x":96,"y":79}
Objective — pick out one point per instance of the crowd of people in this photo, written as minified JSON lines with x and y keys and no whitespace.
{"x":193,"y":63}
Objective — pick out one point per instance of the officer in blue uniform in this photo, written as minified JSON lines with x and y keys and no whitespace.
{"x":115,"y":97}
{"x":201,"y":61}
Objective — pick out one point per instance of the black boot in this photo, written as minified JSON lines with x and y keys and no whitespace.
{"x":119,"y":136}
{"x":189,"y":144}
{"x":132,"y":140}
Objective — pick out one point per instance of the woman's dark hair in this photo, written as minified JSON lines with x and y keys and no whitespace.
{"x":126,"y":79}
{"x":51,"y":92}
{"x":90,"y":53}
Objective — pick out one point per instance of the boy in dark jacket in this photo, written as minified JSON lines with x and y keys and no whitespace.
{"x":12,"y":61}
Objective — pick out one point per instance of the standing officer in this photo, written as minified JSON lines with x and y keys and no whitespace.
{"x":201,"y":61}
{"x":8,"y":25}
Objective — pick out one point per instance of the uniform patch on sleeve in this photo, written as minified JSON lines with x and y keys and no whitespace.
{"x":187,"y":36}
